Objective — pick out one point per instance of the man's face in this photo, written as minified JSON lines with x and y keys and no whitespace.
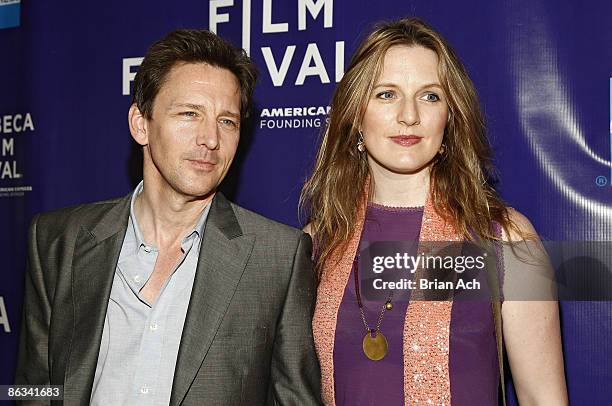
{"x":192,"y":137}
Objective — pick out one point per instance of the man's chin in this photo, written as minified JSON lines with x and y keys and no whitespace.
{"x":196,"y":191}
{"x":200,"y":194}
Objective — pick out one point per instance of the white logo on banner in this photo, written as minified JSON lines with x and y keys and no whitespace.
{"x":312,"y":63}
{"x":279,"y":61}
{"x":293,"y":117}
{"x":11,"y":124}
{"x":4,"y":321}
{"x":128,"y":75}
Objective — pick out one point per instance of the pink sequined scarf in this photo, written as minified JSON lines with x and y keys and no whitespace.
{"x":426,"y":327}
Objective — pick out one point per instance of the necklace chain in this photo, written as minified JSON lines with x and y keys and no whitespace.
{"x":359,"y":302}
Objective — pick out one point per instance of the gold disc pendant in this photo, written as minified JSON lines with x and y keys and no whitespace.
{"x":375,"y":346}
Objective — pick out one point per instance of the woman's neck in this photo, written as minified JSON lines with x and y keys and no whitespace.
{"x":400,"y":190}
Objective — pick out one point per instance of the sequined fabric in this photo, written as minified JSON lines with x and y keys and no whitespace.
{"x":426,"y":327}
{"x":329,"y":295}
{"x":427,"y":330}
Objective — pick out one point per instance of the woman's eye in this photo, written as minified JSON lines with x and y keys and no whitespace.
{"x":431,"y":97}
{"x":386,"y":95}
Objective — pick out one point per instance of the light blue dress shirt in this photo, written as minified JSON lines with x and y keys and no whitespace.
{"x":140,"y":340}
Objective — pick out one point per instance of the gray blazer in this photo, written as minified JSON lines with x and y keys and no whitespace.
{"x":247,"y":337}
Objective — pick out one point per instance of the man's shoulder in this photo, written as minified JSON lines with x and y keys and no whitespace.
{"x":77,"y":215}
{"x":254,"y":223}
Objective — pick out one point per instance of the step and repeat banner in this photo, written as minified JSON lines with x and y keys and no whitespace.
{"x":542,"y":68}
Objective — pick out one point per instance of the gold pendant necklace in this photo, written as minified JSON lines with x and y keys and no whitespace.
{"x":375,"y":345}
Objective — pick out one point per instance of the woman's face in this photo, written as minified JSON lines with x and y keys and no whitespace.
{"x":406,"y":113}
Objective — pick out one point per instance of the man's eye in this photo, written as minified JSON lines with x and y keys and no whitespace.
{"x":386,"y":95}
{"x":189,"y":114}
{"x":431,"y":97}
{"x":228,"y":123}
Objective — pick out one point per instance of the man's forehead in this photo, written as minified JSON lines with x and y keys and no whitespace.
{"x":203,"y":73}
{"x":196,"y":83}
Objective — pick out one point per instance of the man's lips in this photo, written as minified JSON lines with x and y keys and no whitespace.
{"x":406,"y":140}
{"x":202,"y":163}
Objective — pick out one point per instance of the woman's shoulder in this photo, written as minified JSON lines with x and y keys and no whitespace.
{"x":520,"y":227}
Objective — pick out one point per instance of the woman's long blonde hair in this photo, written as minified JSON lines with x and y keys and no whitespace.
{"x":460,"y":177}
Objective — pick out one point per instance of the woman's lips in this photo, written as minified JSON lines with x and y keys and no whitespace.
{"x":406,"y":140}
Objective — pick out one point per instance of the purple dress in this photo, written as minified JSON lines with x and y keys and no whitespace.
{"x":473,"y":366}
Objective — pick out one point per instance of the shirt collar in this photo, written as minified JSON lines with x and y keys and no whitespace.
{"x":197,"y":230}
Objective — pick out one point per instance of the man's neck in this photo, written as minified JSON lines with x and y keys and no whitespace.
{"x":165,"y":216}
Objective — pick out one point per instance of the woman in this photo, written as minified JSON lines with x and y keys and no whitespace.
{"x":405,"y":157}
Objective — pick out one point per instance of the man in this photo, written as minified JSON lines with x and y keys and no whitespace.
{"x":173,"y":295}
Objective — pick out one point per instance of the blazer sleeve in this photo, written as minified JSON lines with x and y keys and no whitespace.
{"x":295,"y":373}
{"x":32,"y":359}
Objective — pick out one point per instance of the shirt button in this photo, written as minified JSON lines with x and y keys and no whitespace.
{"x":153,"y":326}
{"x":137,"y":278}
{"x":144,"y":390}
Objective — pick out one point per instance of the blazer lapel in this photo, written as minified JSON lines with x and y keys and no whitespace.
{"x":95,"y":258}
{"x":223,"y":257}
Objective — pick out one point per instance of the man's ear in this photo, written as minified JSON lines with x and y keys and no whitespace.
{"x":138,"y":125}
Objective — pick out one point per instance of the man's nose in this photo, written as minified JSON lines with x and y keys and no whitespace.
{"x":208,"y":134}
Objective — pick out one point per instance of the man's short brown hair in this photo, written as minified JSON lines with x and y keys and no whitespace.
{"x":191,"y":46}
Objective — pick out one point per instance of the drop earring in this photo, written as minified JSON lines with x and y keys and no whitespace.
{"x":361,"y":142}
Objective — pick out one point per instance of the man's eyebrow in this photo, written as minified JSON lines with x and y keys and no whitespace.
{"x":200,"y":107}
{"x":231,"y":114}
{"x":193,"y":106}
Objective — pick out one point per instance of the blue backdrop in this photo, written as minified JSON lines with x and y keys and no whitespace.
{"x":543,"y":70}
